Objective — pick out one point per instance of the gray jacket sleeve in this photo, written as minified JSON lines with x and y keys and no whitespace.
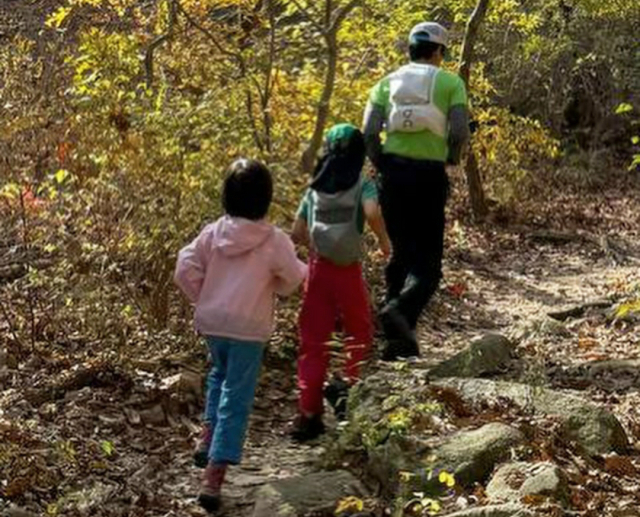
{"x":374,"y":119}
{"x":458,"y":133}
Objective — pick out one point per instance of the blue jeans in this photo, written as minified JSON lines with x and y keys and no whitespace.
{"x":231,"y":387}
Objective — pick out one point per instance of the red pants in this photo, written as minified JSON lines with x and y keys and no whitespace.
{"x":332,"y":292}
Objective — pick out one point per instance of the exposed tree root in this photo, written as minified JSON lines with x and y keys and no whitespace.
{"x":579,"y":310}
{"x":616,"y":249}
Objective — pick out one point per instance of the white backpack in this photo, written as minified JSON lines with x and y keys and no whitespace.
{"x":411,"y":91}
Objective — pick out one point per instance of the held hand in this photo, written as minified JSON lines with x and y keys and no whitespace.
{"x":385,"y":248}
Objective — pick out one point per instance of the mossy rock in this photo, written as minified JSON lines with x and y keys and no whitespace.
{"x":594,"y":428}
{"x":489,"y":355}
{"x":517,"y":480}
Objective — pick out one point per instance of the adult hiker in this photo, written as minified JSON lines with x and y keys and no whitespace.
{"x":423,"y":111}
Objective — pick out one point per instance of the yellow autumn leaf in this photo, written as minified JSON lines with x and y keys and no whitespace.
{"x":61,"y":175}
{"x":349,"y":504}
{"x":55,"y":20}
{"x":447,"y":479}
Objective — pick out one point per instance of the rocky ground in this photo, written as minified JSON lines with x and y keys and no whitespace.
{"x":542,"y":421}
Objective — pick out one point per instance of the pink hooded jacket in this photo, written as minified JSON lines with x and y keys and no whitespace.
{"x":231,"y":272}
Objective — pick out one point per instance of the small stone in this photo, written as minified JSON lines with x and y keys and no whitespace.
{"x":316,"y":494}
{"x":503,"y":510}
{"x":186,"y":383}
{"x":14,"y":511}
{"x":487,"y":356}
{"x":462,"y":502}
{"x":154,"y":415}
{"x":514,"y":481}
{"x":133,"y":417}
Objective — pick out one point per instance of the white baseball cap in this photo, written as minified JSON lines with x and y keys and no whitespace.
{"x":429,"y":31}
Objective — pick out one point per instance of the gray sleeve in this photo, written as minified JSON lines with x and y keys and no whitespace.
{"x":458,"y":133}
{"x":374,"y":118}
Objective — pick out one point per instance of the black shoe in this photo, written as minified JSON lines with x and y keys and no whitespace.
{"x":337,"y":394}
{"x":391,"y":350}
{"x":396,"y":349}
{"x":306,"y":428}
{"x":401,"y":340}
{"x":395,"y":325}
{"x":210,"y":503}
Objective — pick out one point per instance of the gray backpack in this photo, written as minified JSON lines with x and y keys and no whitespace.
{"x":334,"y":225}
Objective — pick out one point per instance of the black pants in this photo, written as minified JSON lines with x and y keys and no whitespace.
{"x":413,"y":195}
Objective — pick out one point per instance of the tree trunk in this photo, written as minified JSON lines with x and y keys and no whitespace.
{"x":474,"y":181}
{"x":332,"y":22}
{"x":308,"y":158}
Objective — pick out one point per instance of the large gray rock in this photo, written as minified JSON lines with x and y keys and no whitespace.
{"x":514,"y":481}
{"x":314,"y":494}
{"x":503,"y":510}
{"x":472,"y":455}
{"x":594,"y":428}
{"x":486,"y":356}
{"x":612,"y":375}
{"x":425,"y":442}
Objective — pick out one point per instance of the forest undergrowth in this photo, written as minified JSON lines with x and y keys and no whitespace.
{"x":91,"y":429}
{"x":117,"y":120}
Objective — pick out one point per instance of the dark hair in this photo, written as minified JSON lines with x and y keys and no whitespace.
{"x":424,"y":50}
{"x":248,"y":190}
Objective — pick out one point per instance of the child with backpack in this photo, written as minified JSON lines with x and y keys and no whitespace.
{"x":231,"y":272}
{"x":331,"y":220}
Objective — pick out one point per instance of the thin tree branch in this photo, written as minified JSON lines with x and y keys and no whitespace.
{"x":470,"y":39}
{"x":359,"y":66}
{"x":328,"y":11}
{"x":342,"y":13}
{"x":10,"y":324}
{"x":237,"y":56}
{"x":148,"y":58}
{"x":268,"y":87}
{"x":308,"y":15}
{"x":252,"y":119}
{"x":209,"y":35}
{"x":323,"y":110}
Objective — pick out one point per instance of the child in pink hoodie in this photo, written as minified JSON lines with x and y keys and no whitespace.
{"x":231,"y":272}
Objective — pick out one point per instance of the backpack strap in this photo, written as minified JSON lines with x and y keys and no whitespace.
{"x":358,"y":199}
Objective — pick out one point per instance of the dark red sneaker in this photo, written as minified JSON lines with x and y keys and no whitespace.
{"x":201,"y":452}
{"x":212,"y":480}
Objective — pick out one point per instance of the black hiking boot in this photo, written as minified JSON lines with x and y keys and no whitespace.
{"x":401,"y":340}
{"x":307,"y":428}
{"x":398,"y":349}
{"x":337,"y":393}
